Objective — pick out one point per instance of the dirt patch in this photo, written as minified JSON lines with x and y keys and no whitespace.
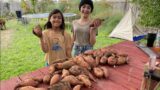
{"x":6,"y":38}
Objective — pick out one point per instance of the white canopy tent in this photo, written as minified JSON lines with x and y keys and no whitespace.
{"x":127,"y":29}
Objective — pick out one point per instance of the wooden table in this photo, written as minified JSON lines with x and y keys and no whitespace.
{"x":125,"y":77}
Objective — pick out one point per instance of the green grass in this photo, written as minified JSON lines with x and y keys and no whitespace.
{"x":24,"y":53}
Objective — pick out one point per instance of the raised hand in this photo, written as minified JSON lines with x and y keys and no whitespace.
{"x":96,"y":22}
{"x":37,"y":30}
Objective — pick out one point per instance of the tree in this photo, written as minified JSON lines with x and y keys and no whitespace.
{"x":150,"y":12}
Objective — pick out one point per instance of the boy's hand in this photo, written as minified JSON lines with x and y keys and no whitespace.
{"x":37,"y":31}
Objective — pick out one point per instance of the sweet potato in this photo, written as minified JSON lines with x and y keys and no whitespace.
{"x":31,"y":88}
{"x":77,"y":87}
{"x":80,"y":61}
{"x":60,"y":86}
{"x":52,"y":69}
{"x":122,"y":60}
{"x":103,"y":60}
{"x":38,"y":79}
{"x":47,"y":78}
{"x":105,"y":71}
{"x":89,"y":52}
{"x":27,"y":82}
{"x":58,"y":66}
{"x":72,"y":80}
{"x":112,"y":60}
{"x":75,"y":70}
{"x":55,"y":79}
{"x":65,"y":73}
{"x":67,"y":64}
{"x":98,"y":72}
{"x":97,"y":60}
{"x":85,"y":80}
{"x":98,"y":53}
{"x":89,"y":59}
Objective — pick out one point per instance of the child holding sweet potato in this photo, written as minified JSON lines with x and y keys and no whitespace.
{"x":55,"y":42}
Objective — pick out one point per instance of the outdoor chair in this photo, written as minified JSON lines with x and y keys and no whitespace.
{"x":20,"y":18}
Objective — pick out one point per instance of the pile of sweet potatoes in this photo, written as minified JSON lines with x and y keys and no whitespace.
{"x":77,"y":72}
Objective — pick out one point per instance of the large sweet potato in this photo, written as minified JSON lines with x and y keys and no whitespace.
{"x":67,"y":64}
{"x":55,"y":78}
{"x":31,"y":88}
{"x":72,"y":80}
{"x":27,"y":82}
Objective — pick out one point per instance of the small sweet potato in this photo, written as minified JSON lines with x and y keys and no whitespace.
{"x":62,"y":85}
{"x":112,"y":60}
{"x":58,"y":66}
{"x":89,"y":59}
{"x":75,"y":70}
{"x":97,"y":60}
{"x":122,"y":60}
{"x":98,"y":72}
{"x":65,"y":73}
{"x":47,"y":78}
{"x":85,"y":80}
{"x":52,"y":69}
{"x":80,"y":61}
{"x":77,"y":87}
{"x":89,"y":52}
{"x":105,"y":71}
{"x":55,"y":79}
{"x":103,"y":60}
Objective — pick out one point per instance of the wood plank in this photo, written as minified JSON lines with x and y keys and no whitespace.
{"x":124,"y":80}
{"x":44,"y":70}
{"x":25,"y":76}
{"x":103,"y":84}
{"x":9,"y":84}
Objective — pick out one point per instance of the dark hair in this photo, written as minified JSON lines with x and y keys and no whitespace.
{"x":49,"y":25}
{"x":89,"y":2}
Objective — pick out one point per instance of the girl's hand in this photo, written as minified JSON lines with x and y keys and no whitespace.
{"x":37,"y":31}
{"x":96,"y":23}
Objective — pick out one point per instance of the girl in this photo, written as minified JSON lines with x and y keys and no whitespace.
{"x":84,"y":29}
{"x":55,"y":42}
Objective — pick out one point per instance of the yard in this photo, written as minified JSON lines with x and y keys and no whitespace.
{"x":23,"y":54}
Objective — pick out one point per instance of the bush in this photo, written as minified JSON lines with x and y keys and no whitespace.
{"x":150,"y":12}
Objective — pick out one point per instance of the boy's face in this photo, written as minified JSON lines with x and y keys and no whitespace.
{"x":56,"y":20}
{"x":85,"y":10}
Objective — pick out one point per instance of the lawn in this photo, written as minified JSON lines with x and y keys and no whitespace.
{"x":24,"y":53}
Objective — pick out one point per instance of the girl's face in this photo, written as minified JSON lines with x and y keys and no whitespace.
{"x":85,"y":10}
{"x":56,"y":20}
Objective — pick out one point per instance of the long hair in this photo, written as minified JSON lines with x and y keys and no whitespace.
{"x":49,"y":25}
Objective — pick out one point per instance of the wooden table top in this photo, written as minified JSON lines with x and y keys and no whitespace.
{"x":124,"y":77}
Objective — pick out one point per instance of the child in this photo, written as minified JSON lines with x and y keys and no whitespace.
{"x":84,"y":29}
{"x":55,"y":41}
